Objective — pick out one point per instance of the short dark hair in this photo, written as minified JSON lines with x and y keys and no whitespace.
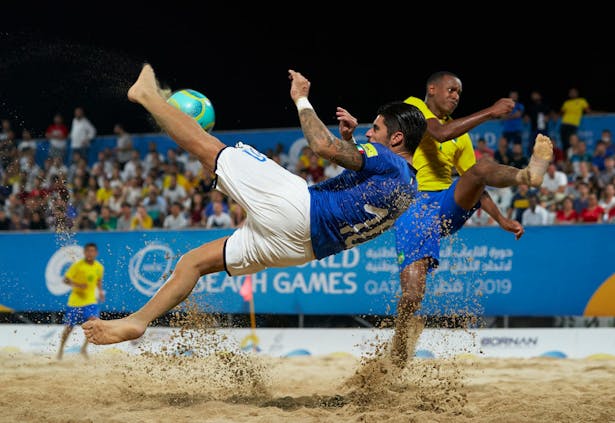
{"x":405,"y":118}
{"x":90,"y":244}
{"x":437,"y":76}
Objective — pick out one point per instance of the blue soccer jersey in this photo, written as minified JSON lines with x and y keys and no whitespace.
{"x":357,"y":206}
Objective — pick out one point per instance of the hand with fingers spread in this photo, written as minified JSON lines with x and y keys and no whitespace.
{"x":347,"y":123}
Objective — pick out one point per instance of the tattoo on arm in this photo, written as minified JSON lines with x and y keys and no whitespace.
{"x":324,"y":144}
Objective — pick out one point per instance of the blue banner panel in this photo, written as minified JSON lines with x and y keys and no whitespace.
{"x":550,"y":271}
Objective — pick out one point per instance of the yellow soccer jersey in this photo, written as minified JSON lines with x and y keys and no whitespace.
{"x":84,"y":273}
{"x":434,"y":161}
{"x":572,"y":110}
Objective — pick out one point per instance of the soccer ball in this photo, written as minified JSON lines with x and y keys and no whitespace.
{"x":195,"y":105}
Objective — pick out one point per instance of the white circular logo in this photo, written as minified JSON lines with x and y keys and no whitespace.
{"x":149,"y":268}
{"x":57,"y":266}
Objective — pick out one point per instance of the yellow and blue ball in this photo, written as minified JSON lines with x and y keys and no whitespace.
{"x":195,"y":105}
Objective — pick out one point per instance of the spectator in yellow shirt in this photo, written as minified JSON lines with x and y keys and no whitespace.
{"x":572,"y":112}
{"x":141,"y":220}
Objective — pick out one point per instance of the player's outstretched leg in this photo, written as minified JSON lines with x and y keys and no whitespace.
{"x":184,"y":130}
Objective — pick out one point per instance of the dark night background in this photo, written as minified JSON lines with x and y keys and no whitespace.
{"x":52,"y":59}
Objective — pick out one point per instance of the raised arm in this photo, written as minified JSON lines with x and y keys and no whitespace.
{"x":322,"y":142}
{"x":459,"y":126}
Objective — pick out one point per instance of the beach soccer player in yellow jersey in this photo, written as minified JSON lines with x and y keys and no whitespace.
{"x":445,"y":203}
{"x":84,"y":277}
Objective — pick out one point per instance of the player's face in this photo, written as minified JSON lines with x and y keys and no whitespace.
{"x":446,"y":94}
{"x":90,"y":253}
{"x":378,"y":132}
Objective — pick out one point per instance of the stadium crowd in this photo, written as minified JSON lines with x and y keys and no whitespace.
{"x":125,"y":190}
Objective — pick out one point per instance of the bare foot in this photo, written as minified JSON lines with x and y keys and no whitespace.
{"x":145,"y":86}
{"x":542,"y":155}
{"x":103,"y":332}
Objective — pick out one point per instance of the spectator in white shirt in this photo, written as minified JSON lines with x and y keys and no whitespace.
{"x":176,"y":219}
{"x":332,"y":170}
{"x":81,"y":133}
{"x":219,"y":219}
{"x":556,"y":183}
{"x":535,"y":214}
{"x":123,"y":145}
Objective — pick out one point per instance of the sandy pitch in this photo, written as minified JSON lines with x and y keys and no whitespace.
{"x":116,"y":387}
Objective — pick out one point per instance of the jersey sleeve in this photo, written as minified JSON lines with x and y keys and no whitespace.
{"x":420,"y":104}
{"x":378,"y":159}
{"x":465,"y":158}
{"x":71,"y":273}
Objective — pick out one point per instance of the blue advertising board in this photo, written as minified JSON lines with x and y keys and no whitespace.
{"x":551,"y":271}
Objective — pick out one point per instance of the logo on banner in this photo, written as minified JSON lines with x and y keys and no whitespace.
{"x":149,"y":268}
{"x":57,"y":266}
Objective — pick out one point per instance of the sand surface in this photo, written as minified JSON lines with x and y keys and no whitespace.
{"x":233,"y":387}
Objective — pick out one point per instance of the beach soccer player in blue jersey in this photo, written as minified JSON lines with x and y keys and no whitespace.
{"x":288,"y":222}
{"x":446,"y":202}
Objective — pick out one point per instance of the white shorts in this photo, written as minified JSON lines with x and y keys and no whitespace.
{"x":276,"y":232}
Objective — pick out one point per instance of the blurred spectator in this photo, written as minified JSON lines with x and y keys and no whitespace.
{"x":117,"y":199}
{"x":106,"y":221}
{"x":535,"y":214}
{"x":197,"y":210}
{"x":215,"y":196}
{"x":104,"y":193}
{"x":316,"y":168}
{"x":82,"y":132}
{"x":173,"y":160}
{"x":608,"y":174}
{"x":123,"y":146}
{"x":581,"y":199}
{"x":520,"y":202}
{"x":518,"y":160}
{"x":579,"y":155}
{"x":153,"y":157}
{"x":238,"y":215}
{"x":57,"y":134}
{"x":482,"y":150}
{"x":480,"y":218}
{"x":555,"y":182}
{"x":512,"y":124}
{"x":537,"y":114}
{"x":605,"y":137}
{"x":332,"y":170}
{"x":283,"y":157}
{"x":593,"y":212}
{"x":175,"y":219}
{"x":193,"y":165}
{"x":598,"y":158}
{"x":155,"y":205}
{"x":608,"y":199}
{"x":141,"y":220}
{"x":174,"y":192}
{"x":219,"y":219}
{"x":26,"y":143}
{"x":502,"y":155}
{"x":5,"y":222}
{"x":131,"y":167}
{"x":17,"y":223}
{"x":125,"y":217}
{"x":8,"y":149}
{"x":572,"y":112}
{"x":567,"y":214}
{"x":6,"y":128}
{"x":585,"y":175}
{"x":502,"y":197}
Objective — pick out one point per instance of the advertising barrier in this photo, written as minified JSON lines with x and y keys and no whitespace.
{"x":552,"y":270}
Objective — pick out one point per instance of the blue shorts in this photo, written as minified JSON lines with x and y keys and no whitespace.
{"x":432,"y":216}
{"x":74,"y":316}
